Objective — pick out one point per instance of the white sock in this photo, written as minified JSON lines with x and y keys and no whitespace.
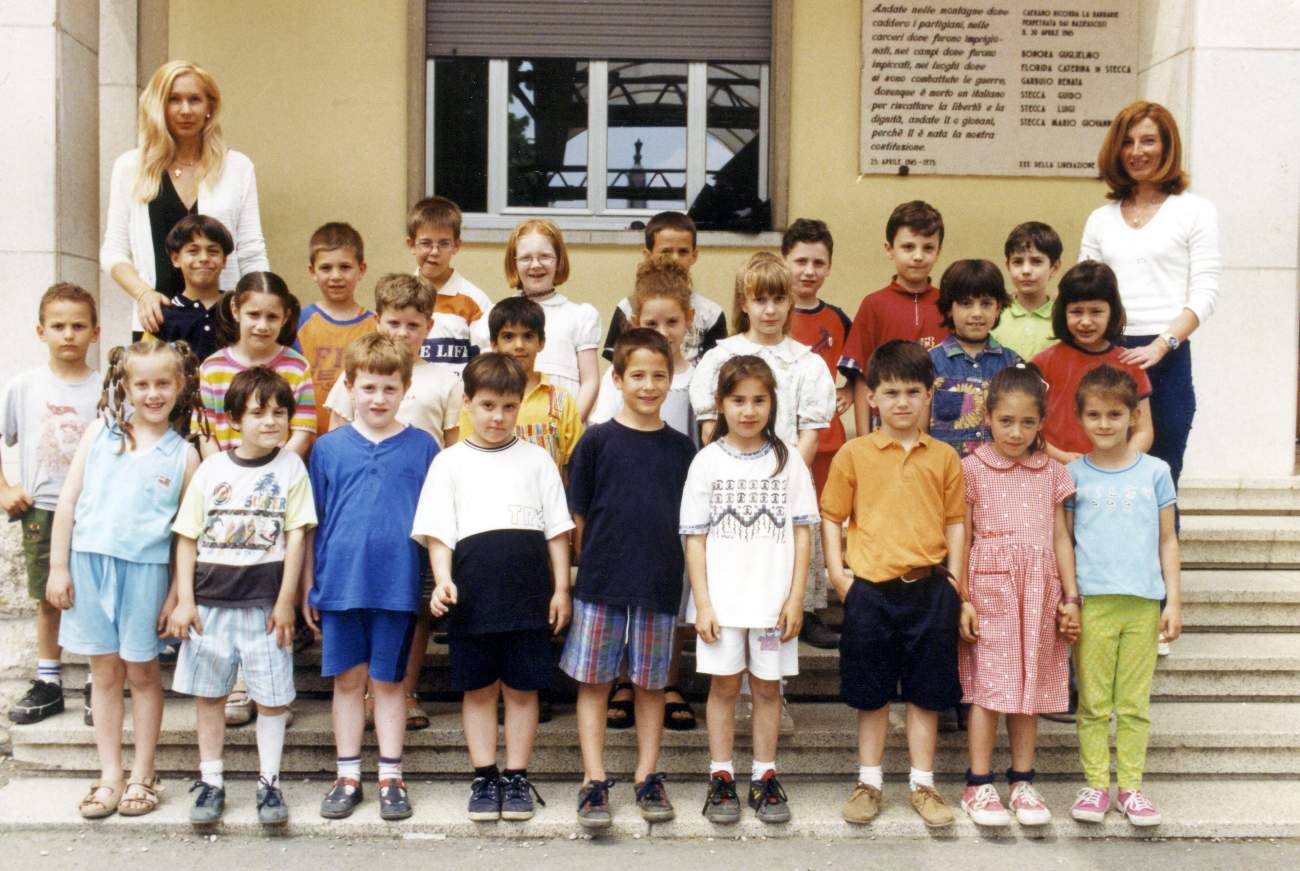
{"x":390,"y":769}
{"x":270,"y":744}
{"x":715,"y":767}
{"x":349,"y":767}
{"x":49,"y":671}
{"x":871,"y":775}
{"x":917,"y":777}
{"x":758,"y":769}
{"x":211,"y":773}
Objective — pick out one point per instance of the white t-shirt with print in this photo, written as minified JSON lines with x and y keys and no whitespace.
{"x":46,"y":418}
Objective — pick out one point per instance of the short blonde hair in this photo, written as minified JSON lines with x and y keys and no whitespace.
{"x":154,"y":140}
{"x":399,"y":290}
{"x":379,"y":355}
{"x":764,"y":274}
{"x":551,"y":233}
{"x":661,"y":277}
{"x":1169,"y":176}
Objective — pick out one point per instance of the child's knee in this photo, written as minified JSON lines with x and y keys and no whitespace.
{"x":271,"y":711}
{"x":726,"y":686}
{"x":107,"y":667}
{"x":141,"y":675}
{"x":764,"y":690}
{"x":351,"y":681}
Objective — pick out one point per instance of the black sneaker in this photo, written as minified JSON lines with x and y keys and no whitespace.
{"x":721,"y":805}
{"x":652,"y":799}
{"x":517,"y":798}
{"x":208,"y":807}
{"x":593,"y":805}
{"x":817,"y":634}
{"x":43,"y":700}
{"x":341,"y":800}
{"x":485,"y":799}
{"x":271,"y":809}
{"x":87,"y":715}
{"x":768,"y":799}
{"x":394,"y":804}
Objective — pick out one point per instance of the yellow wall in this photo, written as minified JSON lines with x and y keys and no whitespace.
{"x":316,"y":94}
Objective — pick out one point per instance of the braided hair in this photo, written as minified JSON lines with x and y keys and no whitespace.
{"x":115,"y":409}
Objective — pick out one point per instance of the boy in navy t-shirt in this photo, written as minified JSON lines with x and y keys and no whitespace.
{"x":361,"y":586}
{"x":625,"y":490}
{"x":493,"y":515}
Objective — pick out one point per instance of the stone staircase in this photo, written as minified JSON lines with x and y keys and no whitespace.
{"x":1226,"y":704}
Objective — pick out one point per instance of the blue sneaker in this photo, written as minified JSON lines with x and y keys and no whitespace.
{"x":485,"y":799}
{"x":271,"y":808}
{"x":208,"y":807}
{"x":517,"y":801}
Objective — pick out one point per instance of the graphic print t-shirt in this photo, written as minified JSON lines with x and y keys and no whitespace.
{"x":46,"y":418}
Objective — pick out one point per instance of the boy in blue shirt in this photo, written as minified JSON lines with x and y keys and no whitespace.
{"x":625,"y":491}
{"x":361,"y":580}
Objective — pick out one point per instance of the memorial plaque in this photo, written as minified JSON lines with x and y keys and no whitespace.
{"x":1020,"y":87}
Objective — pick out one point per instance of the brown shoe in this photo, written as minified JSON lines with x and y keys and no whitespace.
{"x":863,"y":806}
{"x":934,"y":811}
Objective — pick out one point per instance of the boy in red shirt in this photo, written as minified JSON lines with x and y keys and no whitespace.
{"x":905,"y":308}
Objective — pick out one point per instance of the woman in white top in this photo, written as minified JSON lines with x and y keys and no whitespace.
{"x":180,"y":166}
{"x":1163,"y":245}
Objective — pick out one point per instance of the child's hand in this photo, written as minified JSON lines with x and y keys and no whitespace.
{"x":1171,"y":622}
{"x":58,"y":589}
{"x":843,"y":399}
{"x":1067,"y":622}
{"x":706,"y":625}
{"x":561,"y":609}
{"x":969,"y":624}
{"x":280,"y":623}
{"x":165,"y":613}
{"x":311,"y":617}
{"x":444,"y":596}
{"x":841,"y":581}
{"x":791,"y":619}
{"x":14,"y":499}
{"x":182,"y":618}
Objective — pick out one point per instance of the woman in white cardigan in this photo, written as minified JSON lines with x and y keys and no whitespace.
{"x":180,"y":166}
{"x":1163,"y":244}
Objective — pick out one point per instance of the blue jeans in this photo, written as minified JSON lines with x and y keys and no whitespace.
{"x":1173,"y":402}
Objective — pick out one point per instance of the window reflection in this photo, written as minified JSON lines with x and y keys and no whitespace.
{"x":547,"y":133}
{"x":646,"y":162}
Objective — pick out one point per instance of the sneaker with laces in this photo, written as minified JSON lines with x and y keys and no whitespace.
{"x":768,"y":799}
{"x":934,"y":811}
{"x":209,"y":806}
{"x":517,"y":798}
{"x":271,"y":808}
{"x":394,"y":803}
{"x":43,"y":700}
{"x":1090,"y":805}
{"x":344,"y":796}
{"x":1028,"y":805}
{"x":485,"y":799}
{"x":721,"y":805}
{"x":984,"y":807}
{"x":1138,"y":808}
{"x":593,"y":805}
{"x":863,"y":805}
{"x":652,"y":799}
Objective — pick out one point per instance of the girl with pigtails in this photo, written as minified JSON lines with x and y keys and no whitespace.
{"x":109,"y":552}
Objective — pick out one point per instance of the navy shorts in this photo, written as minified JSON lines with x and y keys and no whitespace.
{"x":522,"y":660}
{"x":898,"y":633}
{"x":380,"y":639}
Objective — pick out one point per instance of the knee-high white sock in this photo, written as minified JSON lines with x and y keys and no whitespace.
{"x":270,"y":745}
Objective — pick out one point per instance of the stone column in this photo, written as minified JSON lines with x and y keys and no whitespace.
{"x":1228,"y":71}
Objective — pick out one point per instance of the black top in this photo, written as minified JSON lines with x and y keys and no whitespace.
{"x":190,"y":320}
{"x":627,"y":486}
{"x":165,"y":211}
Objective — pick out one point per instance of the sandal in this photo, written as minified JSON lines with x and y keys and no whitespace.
{"x":673,"y":710}
{"x":416,"y":718}
{"x":621,"y":713}
{"x":141,"y":797}
{"x":92,"y":808}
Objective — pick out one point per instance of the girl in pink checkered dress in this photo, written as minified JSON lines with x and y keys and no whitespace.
{"x":1020,"y":606}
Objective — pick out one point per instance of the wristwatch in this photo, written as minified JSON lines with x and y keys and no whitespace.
{"x":1171,"y":340}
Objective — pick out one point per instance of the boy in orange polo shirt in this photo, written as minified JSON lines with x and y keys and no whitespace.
{"x":901,"y":604}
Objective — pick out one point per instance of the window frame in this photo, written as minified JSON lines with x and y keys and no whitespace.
{"x":597,"y":215}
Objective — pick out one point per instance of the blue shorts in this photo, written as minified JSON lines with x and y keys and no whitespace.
{"x":379,"y":639}
{"x":115,"y":605}
{"x":900,"y":633}
{"x":602,"y":637}
{"x":235,"y":640}
{"x":521,"y":660}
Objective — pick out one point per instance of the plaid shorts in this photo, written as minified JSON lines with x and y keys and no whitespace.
{"x":601,"y":636}
{"x":235,"y":639}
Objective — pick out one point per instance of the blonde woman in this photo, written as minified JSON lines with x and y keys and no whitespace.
{"x":180,"y":166}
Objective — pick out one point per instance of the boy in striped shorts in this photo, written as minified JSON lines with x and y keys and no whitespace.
{"x":625,"y":489}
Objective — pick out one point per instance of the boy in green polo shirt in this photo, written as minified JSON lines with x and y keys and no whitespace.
{"x":1033,"y":253}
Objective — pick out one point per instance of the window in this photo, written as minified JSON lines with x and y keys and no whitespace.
{"x":601,"y":114}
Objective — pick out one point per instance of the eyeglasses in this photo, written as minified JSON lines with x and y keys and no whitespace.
{"x":424,"y":246}
{"x":541,"y":259}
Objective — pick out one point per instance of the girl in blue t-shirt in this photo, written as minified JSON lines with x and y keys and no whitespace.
{"x":1126,"y":561}
{"x":109,"y":554}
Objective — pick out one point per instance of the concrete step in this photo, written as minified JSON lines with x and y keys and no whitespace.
{"x":1240,"y":809}
{"x":1202,"y":665}
{"x":1250,"y":599}
{"x":1240,"y":541}
{"x":1239,"y":495}
{"x":1188,"y":738}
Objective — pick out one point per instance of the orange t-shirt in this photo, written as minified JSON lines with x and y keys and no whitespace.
{"x":322,"y":340}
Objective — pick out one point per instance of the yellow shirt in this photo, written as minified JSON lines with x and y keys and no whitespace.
{"x":548,"y":417}
{"x":897,"y":502}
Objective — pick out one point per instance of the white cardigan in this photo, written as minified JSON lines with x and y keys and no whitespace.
{"x":1170,"y":263}
{"x":128,"y":236}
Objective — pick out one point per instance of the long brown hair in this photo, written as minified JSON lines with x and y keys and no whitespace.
{"x":257,"y":282}
{"x":114,"y":408}
{"x":731,"y":373}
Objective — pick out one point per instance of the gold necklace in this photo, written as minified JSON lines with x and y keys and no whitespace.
{"x":182,"y":167}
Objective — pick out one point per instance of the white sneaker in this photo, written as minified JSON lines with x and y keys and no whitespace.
{"x":1028,"y":805}
{"x":1162,"y":647}
{"x":984,"y":807}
